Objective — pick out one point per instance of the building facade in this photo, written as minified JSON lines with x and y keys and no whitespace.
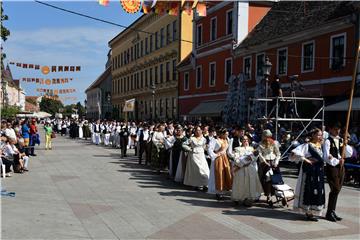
{"x":318,"y":44}
{"x":11,"y":93}
{"x":144,"y":65}
{"x":98,"y":95}
{"x":204,"y":74}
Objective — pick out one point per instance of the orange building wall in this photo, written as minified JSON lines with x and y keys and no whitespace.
{"x":321,"y":67}
{"x":256,"y":13}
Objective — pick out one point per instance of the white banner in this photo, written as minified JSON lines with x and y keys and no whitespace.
{"x":129,"y":105}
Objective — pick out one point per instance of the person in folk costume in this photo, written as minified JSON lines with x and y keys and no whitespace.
{"x":209,"y":136}
{"x":269,"y":157}
{"x":246,"y":183}
{"x":63,"y":127}
{"x":197,"y":170}
{"x":106,"y":132}
{"x":73,"y":129}
{"x":86,"y":130}
{"x":117,"y":135}
{"x":149,"y":144}
{"x":142,"y":138}
{"x":310,"y":186}
{"x":220,"y":180}
{"x":97,"y":131}
{"x":113,"y":134}
{"x":81,"y":132}
{"x":175,"y":144}
{"x":158,"y":148}
{"x":102,"y":131}
{"x":124,"y":138}
{"x":333,"y":147}
{"x":132,"y":136}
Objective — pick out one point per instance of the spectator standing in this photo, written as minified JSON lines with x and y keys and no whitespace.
{"x":48,"y":133}
{"x":33,"y":136}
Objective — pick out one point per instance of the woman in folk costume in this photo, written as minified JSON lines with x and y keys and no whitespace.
{"x":175,"y":144}
{"x":246,"y":184}
{"x":158,"y":148}
{"x":86,"y":130}
{"x":220,"y":180}
{"x":269,"y":157}
{"x":197,"y":170}
{"x":310,"y":189}
{"x":81,"y":132}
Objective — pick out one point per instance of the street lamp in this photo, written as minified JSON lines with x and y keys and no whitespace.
{"x":153,"y":88}
{"x":266,"y":71}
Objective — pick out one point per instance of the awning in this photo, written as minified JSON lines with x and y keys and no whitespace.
{"x":208,"y":108}
{"x":343,"y":105}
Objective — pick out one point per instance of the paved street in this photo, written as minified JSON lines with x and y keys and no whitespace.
{"x":82,"y":191}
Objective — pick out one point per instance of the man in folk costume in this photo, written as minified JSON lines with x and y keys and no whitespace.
{"x":175,"y":144}
{"x":124,"y":138}
{"x":235,"y":141}
{"x":334,"y":169}
{"x":97,"y":132}
{"x":142,"y":138}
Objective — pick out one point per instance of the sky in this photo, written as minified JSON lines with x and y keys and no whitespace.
{"x":47,"y":36}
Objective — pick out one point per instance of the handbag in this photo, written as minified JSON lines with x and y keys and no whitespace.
{"x":53,"y":135}
{"x":276,"y":178}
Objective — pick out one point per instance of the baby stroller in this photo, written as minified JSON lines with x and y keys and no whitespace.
{"x":283,"y":192}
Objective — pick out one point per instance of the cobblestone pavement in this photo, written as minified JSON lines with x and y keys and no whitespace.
{"x":82,"y":191}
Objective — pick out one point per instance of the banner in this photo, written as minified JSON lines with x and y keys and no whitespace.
{"x":104,"y":2}
{"x":201,"y":9}
{"x":59,"y":91}
{"x":129,"y":105}
{"x":131,"y":6}
{"x":47,"y":81}
{"x":46,"y":69}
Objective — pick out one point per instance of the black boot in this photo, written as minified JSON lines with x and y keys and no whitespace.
{"x":330,"y":217}
{"x":336,"y":216}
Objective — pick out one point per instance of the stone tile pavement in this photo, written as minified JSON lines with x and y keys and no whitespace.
{"x":82,"y":191}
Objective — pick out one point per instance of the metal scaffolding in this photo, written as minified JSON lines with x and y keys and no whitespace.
{"x":274,"y":114}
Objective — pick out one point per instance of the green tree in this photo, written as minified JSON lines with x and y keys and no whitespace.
{"x":4,"y":33}
{"x":50,"y":105}
{"x":81,"y":109}
{"x":9,"y":111}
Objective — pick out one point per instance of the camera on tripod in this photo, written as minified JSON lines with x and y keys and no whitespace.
{"x":295,"y":85}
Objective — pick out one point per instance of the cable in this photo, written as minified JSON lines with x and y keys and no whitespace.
{"x":100,"y":20}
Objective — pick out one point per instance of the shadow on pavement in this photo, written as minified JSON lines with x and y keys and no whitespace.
{"x":266,"y":213}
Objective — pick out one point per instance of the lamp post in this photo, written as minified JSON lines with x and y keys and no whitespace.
{"x":266,"y":71}
{"x":85,"y":104}
{"x":153,"y":112}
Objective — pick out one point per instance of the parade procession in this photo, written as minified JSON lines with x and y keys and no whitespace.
{"x":180,"y":120}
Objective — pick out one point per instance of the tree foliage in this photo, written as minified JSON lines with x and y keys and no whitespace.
{"x":50,"y":105}
{"x":4,"y":33}
{"x":9,"y":111}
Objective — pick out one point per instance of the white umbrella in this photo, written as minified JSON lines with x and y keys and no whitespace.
{"x":42,"y":114}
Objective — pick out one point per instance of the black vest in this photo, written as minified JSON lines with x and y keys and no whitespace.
{"x":335,"y":151}
{"x":235,"y":143}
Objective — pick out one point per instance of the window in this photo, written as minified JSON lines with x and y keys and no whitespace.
{"x":228,"y":69}
{"x":308,"y":55}
{"x":198,"y":35}
{"x":174,"y":29}
{"x":186,"y":81}
{"x":213,"y":29}
{"x":282,"y":61}
{"x":142,"y":48}
{"x":132,"y":53}
{"x":212,"y":74}
{"x":161,"y":37}
{"x":142,"y":79}
{"x":260,"y":60}
{"x":151,"y":76}
{"x":161,"y":73}
{"x":161,"y":106}
{"x":151,"y":43}
{"x":137,"y":80}
{"x":168,"y":40}
{"x":247,"y":68}
{"x":121,"y":59}
{"x":132,"y":82}
{"x":198,"y":76}
{"x":229,"y":22}
{"x":337,"y":51}
{"x":128,"y":83}
{"x":118,"y":61}
{"x":167,"y":71}
{"x":174,"y":73}
{"x":156,"y":72}
{"x":146,"y":46}
{"x":156,"y":40}
{"x":146,"y":78}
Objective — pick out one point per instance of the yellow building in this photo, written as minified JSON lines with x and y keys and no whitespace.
{"x":144,"y":59}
